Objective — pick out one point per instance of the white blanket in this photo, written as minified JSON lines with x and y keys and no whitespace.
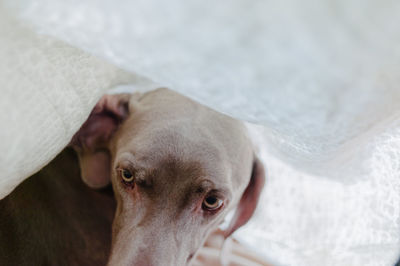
{"x":322,"y":77}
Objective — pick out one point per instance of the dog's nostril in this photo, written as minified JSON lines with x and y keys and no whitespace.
{"x":190,"y":257}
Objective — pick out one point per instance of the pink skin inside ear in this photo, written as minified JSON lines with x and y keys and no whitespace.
{"x":101,"y":123}
{"x":249,"y":200}
{"x":92,"y":139}
{"x":96,"y":130}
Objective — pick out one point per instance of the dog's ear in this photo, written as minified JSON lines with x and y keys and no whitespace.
{"x":92,"y":139}
{"x":248,"y":202}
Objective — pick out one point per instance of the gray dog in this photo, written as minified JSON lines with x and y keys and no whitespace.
{"x":176,"y":168}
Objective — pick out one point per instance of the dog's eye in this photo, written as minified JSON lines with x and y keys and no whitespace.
{"x":127,"y":176}
{"x":212,"y":203}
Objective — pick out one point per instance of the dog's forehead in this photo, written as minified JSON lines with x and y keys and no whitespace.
{"x":165,"y":124}
{"x":164,"y":113}
{"x":177,"y":155}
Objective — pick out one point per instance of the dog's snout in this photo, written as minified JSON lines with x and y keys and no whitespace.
{"x":154,"y":260}
{"x":144,"y":261}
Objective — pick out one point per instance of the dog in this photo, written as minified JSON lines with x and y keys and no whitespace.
{"x":176,"y":169}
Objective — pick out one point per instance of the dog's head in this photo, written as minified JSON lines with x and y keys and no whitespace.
{"x":176,"y":168}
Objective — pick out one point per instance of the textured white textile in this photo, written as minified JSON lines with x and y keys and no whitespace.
{"x":47,"y":90}
{"x":321,"y":76}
